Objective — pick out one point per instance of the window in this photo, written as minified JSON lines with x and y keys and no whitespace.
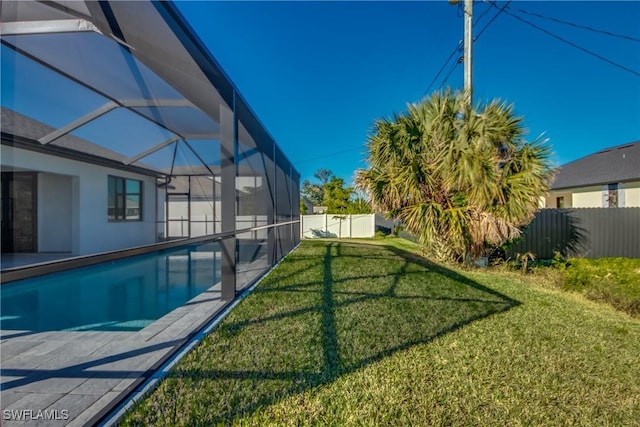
{"x":613,"y":195}
{"x":560,"y":202}
{"x":125,"y":199}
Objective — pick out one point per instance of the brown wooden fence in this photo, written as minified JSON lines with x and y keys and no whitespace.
{"x":584,"y":232}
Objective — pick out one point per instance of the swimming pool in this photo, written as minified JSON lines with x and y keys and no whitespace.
{"x":121,"y":295}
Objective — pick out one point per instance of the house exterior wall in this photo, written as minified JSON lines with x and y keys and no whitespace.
{"x":542,"y":202}
{"x":551,"y":201}
{"x":89,"y":231}
{"x":592,"y":197}
{"x":632,"y":194}
{"x":587,"y":197}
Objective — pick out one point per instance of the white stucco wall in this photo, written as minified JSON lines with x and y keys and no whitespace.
{"x":588,"y":197}
{"x":592,"y":197}
{"x":551,"y":201}
{"x":632,"y":194}
{"x":91,"y":232}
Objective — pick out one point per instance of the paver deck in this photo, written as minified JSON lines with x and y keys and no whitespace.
{"x":77,"y":377}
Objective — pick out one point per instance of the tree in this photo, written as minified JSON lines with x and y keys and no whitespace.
{"x":334,"y":194}
{"x":460,"y":178}
{"x":337,"y":197}
{"x":315,"y":192}
{"x":359,"y":205}
{"x":324,"y":175}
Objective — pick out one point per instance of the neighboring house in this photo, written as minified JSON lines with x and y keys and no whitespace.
{"x":308,"y":205}
{"x":385,"y":225}
{"x":313,"y":209}
{"x":319,"y":210}
{"x":608,"y":178}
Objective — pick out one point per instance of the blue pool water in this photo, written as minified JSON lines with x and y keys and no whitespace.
{"x":122,"y":295}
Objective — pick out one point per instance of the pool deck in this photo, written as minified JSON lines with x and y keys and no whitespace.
{"x":14,"y":260}
{"x":83,"y":375}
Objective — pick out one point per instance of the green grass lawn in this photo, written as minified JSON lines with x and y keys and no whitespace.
{"x":367,"y":333}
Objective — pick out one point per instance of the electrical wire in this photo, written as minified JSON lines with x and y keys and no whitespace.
{"x":491,"y":21}
{"x":455,"y":65}
{"x":573,"y":24}
{"x":451,"y":70}
{"x":457,"y":49}
{"x":500,"y":10}
{"x":360,"y":147}
{"x":562,"y":39}
{"x":489,"y":8}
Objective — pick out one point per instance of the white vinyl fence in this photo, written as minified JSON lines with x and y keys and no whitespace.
{"x":330,"y":225}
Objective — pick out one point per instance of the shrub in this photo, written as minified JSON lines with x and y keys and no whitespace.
{"x":614,"y":280}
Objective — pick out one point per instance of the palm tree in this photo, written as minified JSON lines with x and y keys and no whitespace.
{"x":458,"y":177}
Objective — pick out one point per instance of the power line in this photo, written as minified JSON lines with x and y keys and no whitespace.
{"x":482,"y":15}
{"x":573,"y":24}
{"x":451,"y":70}
{"x":360,"y":147}
{"x":491,"y":21}
{"x":455,"y":64}
{"x":562,"y":39}
{"x":457,"y":49}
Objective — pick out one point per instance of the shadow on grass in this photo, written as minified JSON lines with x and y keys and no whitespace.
{"x":296,"y":336}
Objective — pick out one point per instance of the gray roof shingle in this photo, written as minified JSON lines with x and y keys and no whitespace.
{"x":14,"y":123}
{"x":611,"y":165}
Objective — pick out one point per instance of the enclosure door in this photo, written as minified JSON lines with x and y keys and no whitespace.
{"x":178,"y":216}
{"x":19,"y":212}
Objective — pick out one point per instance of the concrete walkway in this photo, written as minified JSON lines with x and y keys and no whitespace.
{"x":77,"y":377}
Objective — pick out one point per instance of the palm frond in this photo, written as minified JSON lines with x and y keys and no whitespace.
{"x":458,"y":177}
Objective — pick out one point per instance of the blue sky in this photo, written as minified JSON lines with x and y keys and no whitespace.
{"x":319,"y":73}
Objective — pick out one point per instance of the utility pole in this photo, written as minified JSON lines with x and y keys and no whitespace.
{"x":468,"y":49}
